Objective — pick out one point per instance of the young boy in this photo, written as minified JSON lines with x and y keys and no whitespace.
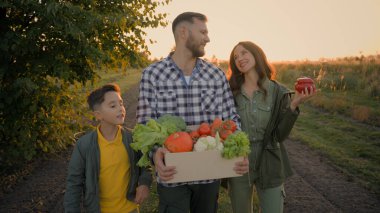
{"x":103,"y":165}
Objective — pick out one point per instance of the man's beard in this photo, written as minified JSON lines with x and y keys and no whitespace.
{"x":193,"y":47}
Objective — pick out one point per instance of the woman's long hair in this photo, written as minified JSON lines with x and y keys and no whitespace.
{"x":262,"y":67}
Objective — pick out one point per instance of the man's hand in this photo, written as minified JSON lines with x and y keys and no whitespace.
{"x":142,"y":193}
{"x":164,"y":172}
{"x":242,"y":167}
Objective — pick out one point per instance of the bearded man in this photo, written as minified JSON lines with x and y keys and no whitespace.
{"x":184,"y":85}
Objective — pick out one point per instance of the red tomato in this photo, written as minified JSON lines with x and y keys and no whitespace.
{"x":194,"y":135}
{"x":224,"y":133}
{"x":179,"y":142}
{"x":229,"y":125}
{"x":217,"y":123}
{"x":213,"y":132}
{"x":204,"y":129}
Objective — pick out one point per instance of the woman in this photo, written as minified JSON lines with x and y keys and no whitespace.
{"x":267,"y":114}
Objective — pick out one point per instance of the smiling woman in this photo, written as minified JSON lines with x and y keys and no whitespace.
{"x":288,"y":30}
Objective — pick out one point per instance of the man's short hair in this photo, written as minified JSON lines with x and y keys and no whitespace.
{"x":187,"y":17}
{"x":96,"y":97}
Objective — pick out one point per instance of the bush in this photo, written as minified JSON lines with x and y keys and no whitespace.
{"x":48,"y":45}
{"x":42,"y":117}
{"x":361,"y":113}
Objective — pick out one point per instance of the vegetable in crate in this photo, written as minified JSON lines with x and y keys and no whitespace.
{"x":224,"y":128}
{"x":145,"y":137}
{"x":172,"y":123}
{"x":154,"y":132}
{"x":194,"y":135}
{"x":236,"y":145}
{"x":229,"y":125}
{"x":208,"y":143}
{"x":216,"y":126}
{"x":216,"y":123}
{"x":179,"y":142}
{"x":224,"y":133}
{"x":204,"y":129}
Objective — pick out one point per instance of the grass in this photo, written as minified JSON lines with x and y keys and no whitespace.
{"x":224,"y":204}
{"x":123,"y":79}
{"x":343,"y":120}
{"x":348,"y":87}
{"x":350,"y":145}
{"x":151,"y":205}
{"x":352,"y":104}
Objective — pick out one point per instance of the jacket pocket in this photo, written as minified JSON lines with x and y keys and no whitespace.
{"x":208,"y":100}
{"x":264,"y":113}
{"x":166,"y":101}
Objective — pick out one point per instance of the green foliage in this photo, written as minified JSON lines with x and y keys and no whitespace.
{"x":46,"y":47}
{"x":36,"y":118}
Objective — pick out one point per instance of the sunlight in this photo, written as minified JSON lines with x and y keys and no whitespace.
{"x":291,"y":30}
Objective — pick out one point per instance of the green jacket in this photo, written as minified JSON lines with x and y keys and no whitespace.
{"x":274,"y":166}
{"x":83,"y":173}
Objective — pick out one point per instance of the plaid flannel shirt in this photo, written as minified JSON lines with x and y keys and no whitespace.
{"x":163,"y":90}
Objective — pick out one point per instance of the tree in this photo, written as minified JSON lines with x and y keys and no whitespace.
{"x":45,"y":46}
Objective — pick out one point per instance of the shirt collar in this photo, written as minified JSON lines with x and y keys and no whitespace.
{"x":170,"y":63}
{"x":265,"y":85}
{"x":104,"y":141}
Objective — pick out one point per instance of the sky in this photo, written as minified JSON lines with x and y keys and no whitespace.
{"x":284,"y":29}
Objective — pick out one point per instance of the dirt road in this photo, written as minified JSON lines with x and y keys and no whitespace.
{"x":317,"y":185}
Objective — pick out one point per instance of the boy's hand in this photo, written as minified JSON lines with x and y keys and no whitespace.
{"x":142,"y":193}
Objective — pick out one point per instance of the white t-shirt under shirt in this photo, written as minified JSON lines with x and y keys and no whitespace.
{"x":187,"y":79}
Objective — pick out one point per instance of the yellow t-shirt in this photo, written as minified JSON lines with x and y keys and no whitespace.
{"x":114,"y":175}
